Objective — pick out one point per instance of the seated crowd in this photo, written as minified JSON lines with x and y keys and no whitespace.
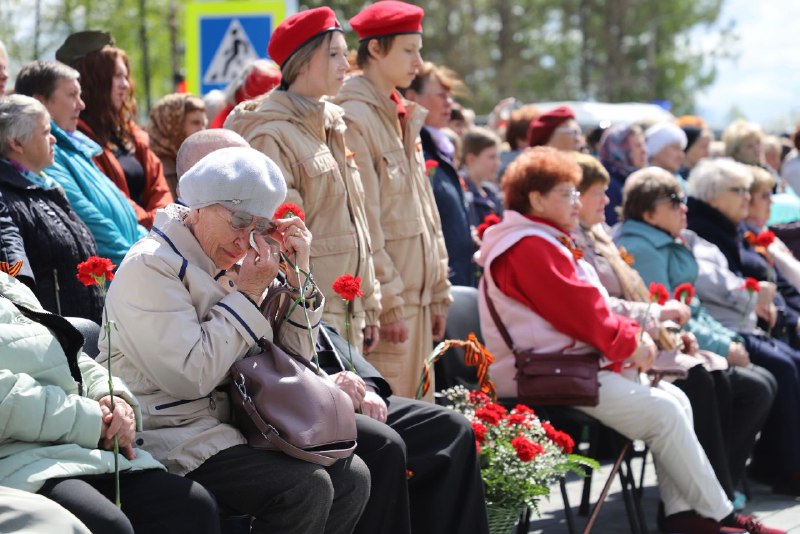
{"x":388,"y":181}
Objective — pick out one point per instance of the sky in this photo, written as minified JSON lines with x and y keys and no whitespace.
{"x":764,"y":81}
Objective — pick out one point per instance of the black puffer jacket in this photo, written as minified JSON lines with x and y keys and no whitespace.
{"x":54,"y":241}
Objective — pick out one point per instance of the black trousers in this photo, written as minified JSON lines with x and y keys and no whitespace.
{"x":729,"y":408}
{"x":286,"y":495}
{"x":444,"y":492}
{"x":153,"y":502}
{"x":777,"y":454}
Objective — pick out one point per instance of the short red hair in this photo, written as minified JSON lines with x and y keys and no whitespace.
{"x":537,"y":169}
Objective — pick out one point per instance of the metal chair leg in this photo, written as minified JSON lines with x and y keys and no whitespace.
{"x":604,"y":493}
{"x":567,"y":508}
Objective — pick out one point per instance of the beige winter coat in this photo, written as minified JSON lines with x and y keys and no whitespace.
{"x":306,"y":140}
{"x":408,"y":247}
{"x":177,"y":333}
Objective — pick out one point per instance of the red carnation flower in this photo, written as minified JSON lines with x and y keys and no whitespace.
{"x":684,"y":293}
{"x":751,"y":285}
{"x":526,"y":449}
{"x":488,"y":415}
{"x":489,"y":220}
{"x":478,"y":447}
{"x":480,"y":431}
{"x":430,"y":167}
{"x":348,"y":287}
{"x":288,"y":210}
{"x":658,"y":293}
{"x":521,"y":408}
{"x":765,"y":239}
{"x":478,"y":397}
{"x":517,"y":419}
{"x":96,"y":271}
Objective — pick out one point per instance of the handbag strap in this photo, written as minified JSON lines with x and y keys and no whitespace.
{"x":271,"y":433}
{"x":496,"y":318}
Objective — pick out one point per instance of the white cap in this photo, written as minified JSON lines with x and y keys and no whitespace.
{"x":663,"y":134}
{"x":240,"y":178}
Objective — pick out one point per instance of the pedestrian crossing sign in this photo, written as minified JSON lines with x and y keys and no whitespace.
{"x":223,"y":38}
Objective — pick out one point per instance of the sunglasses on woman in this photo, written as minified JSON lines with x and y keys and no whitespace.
{"x":674,"y":199}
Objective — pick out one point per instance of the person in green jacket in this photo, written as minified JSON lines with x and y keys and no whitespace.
{"x":57,"y":429}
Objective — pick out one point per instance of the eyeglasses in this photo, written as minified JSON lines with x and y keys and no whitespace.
{"x":766,"y":195}
{"x":741,"y":191}
{"x":241,"y":220}
{"x":573,"y":195}
{"x":571,"y":130}
{"x":674,"y":199}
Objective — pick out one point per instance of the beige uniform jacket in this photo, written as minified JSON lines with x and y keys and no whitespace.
{"x":307,"y":142}
{"x":408,"y":247}
{"x":177,"y":333}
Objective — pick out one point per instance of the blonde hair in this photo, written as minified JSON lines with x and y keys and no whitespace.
{"x":762,"y":178}
{"x":737,"y":134}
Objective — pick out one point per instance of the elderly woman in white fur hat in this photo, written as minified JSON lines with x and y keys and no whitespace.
{"x":181,"y":324}
{"x":665,"y":144}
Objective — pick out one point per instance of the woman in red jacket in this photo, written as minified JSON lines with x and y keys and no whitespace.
{"x":109,"y":121}
{"x":551,"y":301}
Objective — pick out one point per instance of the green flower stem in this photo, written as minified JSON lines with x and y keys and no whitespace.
{"x":348,"y":304}
{"x":302,"y":301}
{"x":101,"y":282}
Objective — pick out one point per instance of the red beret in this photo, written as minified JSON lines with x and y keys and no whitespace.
{"x":541,"y":129}
{"x":299,"y":29}
{"x":387,"y":17}
{"x":264,"y":75}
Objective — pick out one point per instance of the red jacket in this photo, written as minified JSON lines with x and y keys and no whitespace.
{"x":156,"y":192}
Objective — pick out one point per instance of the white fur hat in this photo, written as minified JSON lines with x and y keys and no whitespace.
{"x":662,"y":134}
{"x":239,"y":178}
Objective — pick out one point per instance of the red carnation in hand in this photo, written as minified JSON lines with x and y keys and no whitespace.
{"x":480,"y":432}
{"x":489,"y":220}
{"x":751,"y":285}
{"x":288,"y":210}
{"x":526,"y":449}
{"x":430,"y":167}
{"x":684,"y":293}
{"x":96,"y":271}
{"x":348,"y":287}
{"x":765,"y":239}
{"x":658,"y":293}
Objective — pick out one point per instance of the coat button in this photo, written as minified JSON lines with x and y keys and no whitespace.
{"x":139,"y":442}
{"x":558,"y":371}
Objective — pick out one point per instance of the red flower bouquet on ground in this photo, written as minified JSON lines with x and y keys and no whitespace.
{"x":520,"y":455}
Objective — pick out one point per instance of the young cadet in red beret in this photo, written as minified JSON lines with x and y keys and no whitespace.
{"x":304,"y":135}
{"x":407,"y":244}
{"x":556,"y":128}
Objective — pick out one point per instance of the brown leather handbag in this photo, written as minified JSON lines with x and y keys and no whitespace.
{"x":551,"y":379}
{"x":281,"y":403}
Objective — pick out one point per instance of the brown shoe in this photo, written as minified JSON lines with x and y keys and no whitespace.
{"x":692,"y":523}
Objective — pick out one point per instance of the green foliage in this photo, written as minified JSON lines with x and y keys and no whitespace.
{"x":120,"y":17}
{"x":535,"y":50}
{"x":605,"y":50}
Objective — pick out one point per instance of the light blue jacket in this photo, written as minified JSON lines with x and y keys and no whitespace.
{"x":658,"y":257}
{"x":47,"y":429}
{"x":98,"y":202}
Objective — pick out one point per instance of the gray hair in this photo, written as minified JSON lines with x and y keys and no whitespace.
{"x":710,"y":178}
{"x":19,"y":117}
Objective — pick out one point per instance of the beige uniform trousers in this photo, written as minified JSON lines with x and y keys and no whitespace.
{"x":401,"y":363}
{"x":662,"y":418}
